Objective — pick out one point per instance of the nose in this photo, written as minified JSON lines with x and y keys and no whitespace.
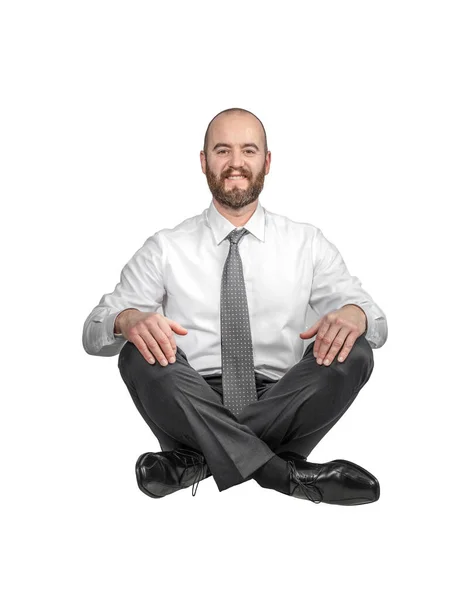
{"x":236,"y":159}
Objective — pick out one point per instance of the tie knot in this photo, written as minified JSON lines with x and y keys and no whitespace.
{"x":236,"y":234}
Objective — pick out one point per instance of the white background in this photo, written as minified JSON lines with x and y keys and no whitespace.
{"x":104,"y":106}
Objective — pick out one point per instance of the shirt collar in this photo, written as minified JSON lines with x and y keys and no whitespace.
{"x":221,"y":227}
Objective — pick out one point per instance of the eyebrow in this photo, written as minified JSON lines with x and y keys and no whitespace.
{"x":219,"y":144}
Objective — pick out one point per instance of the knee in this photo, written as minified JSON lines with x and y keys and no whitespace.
{"x":131,"y":360}
{"x":360,"y":358}
{"x":125,"y":356}
{"x":132,"y":363}
{"x":362,"y":350}
{"x":362,"y":354}
{"x":125,"y":360}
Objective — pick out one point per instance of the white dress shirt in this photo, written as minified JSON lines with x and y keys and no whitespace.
{"x":287,"y":265}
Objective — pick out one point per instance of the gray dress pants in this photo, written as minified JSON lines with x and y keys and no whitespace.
{"x":183,"y":408}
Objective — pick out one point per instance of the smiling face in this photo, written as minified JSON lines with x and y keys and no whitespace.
{"x":235,"y":164}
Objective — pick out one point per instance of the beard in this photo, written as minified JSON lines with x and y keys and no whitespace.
{"x":235,"y":197}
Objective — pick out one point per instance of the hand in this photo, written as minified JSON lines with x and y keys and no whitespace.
{"x":151,"y":333}
{"x":337,"y":330}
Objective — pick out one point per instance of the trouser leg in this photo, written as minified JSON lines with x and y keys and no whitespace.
{"x":178,"y":403}
{"x":297,"y":411}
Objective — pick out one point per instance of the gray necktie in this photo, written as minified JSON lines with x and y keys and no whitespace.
{"x":238,"y":375}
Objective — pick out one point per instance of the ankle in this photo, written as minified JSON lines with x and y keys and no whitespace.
{"x":274,"y":474}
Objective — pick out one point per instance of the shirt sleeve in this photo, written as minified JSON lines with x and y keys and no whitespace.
{"x":333,"y":287}
{"x":141,"y":286}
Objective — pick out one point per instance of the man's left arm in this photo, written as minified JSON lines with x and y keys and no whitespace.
{"x":347,"y":310}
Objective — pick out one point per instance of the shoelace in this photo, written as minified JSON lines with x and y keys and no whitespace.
{"x":310,"y":490}
{"x":193,"y":457}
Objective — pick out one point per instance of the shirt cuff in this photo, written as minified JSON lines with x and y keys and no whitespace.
{"x":109,"y":328}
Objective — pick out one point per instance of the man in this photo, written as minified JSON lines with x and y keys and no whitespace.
{"x":220,"y":376}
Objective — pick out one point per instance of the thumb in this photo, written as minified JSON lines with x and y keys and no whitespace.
{"x":177,"y":327}
{"x":305,"y":335}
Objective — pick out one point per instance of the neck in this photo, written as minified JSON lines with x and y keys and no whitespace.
{"x":237,"y":216}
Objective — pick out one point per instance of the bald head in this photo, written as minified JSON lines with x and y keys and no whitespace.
{"x":223,"y":115}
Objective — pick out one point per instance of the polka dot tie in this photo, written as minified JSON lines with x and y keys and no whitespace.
{"x":238,"y":375}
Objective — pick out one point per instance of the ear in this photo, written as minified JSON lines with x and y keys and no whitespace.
{"x":203,"y":161}
{"x":267,"y":162}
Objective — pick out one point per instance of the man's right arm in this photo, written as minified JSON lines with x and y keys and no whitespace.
{"x":141,"y":287}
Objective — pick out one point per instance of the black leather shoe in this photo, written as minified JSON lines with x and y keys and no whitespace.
{"x":161,"y":473}
{"x":335,"y":482}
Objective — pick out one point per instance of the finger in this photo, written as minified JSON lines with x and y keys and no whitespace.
{"x":171,"y":323}
{"x":349,"y":343}
{"x":158,"y":347}
{"x":314,"y":328}
{"x":167,"y":330}
{"x":327,"y":342}
{"x":162,"y":334}
{"x":319,"y":340}
{"x":144,"y":351}
{"x":336,"y":346}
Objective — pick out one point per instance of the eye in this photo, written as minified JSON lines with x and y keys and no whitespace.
{"x":250,"y":151}
{"x":221,"y":151}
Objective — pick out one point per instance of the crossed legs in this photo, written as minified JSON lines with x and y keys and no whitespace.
{"x":183,"y":408}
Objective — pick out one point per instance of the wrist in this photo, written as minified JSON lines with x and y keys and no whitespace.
{"x":362,"y":312}
{"x":119,"y":320}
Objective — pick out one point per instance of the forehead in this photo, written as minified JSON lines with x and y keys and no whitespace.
{"x":235,"y":128}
